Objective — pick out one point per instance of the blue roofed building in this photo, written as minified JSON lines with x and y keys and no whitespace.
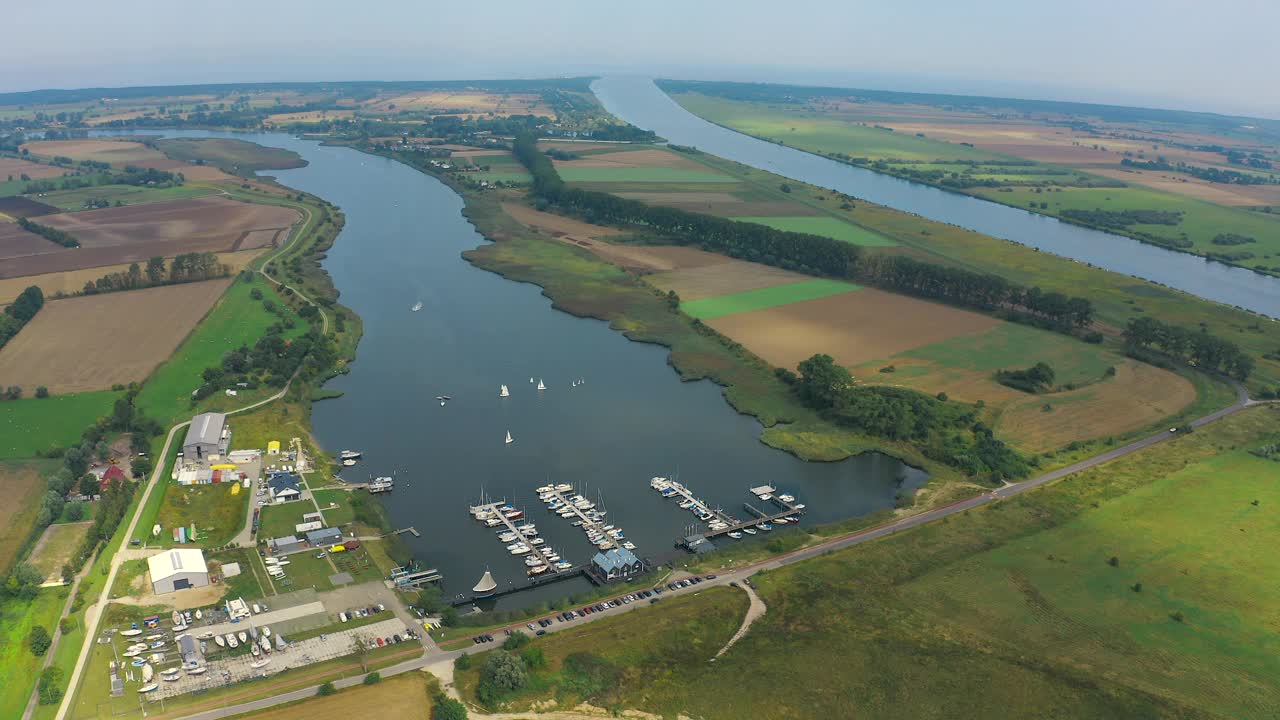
{"x":615,"y":565}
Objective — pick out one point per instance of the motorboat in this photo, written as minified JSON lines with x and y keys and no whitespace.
{"x":749,"y":531}
{"x":266,"y":631}
{"x":545,"y":489}
{"x":350,"y":455}
{"x":205,"y":636}
{"x":563,"y":565}
{"x":265,"y":643}
{"x":231,"y":641}
{"x":138,"y":662}
{"x":533,"y":561}
{"x":148,"y":688}
{"x":260,"y":663}
{"x":632,"y":546}
{"x":513,"y":514}
{"x":416,"y":306}
{"x":564,"y":487}
{"x":765,"y":527}
{"x":157,"y":645}
{"x":153,"y":637}
{"x":787,"y":498}
{"x":735,"y":535}
{"x":519,"y":550}
{"x":197,"y":670}
{"x":780,"y":521}
{"x":492,"y":522}
{"x":348,"y":463}
{"x":132,"y":632}
{"x":686,"y":504}
{"x":243,"y":636}
{"x":537,"y":541}
{"x":538,"y":570}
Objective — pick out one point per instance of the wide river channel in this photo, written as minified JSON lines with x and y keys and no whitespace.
{"x":641,"y":103}
{"x":630,"y":420}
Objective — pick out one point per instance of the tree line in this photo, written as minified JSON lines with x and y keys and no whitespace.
{"x":52,"y":234}
{"x":1194,"y":347}
{"x":185,"y":268}
{"x":947,"y":432}
{"x":20,"y":312}
{"x":802,"y":252}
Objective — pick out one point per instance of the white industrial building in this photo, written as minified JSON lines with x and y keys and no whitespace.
{"x":177,"y":569}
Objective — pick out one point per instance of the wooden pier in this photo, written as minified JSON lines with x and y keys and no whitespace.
{"x":766,"y":494}
{"x":528,"y":584}
{"x":494,"y":509}
{"x":589,"y":526}
{"x":759,"y":517}
{"x":411,"y":530}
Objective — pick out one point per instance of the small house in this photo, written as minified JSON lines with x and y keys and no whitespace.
{"x":324,"y":536}
{"x":286,"y":544}
{"x":284,"y":487}
{"x":616,"y":565}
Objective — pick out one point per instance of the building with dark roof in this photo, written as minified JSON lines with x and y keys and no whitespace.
{"x":615,"y":565}
{"x":284,"y":487}
{"x":324,"y":536}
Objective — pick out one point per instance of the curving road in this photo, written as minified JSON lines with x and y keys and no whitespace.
{"x":434,"y":656}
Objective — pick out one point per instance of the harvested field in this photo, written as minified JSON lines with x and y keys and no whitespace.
{"x":1138,"y":396}
{"x":1221,"y":193}
{"x":672,"y":198}
{"x":72,"y":282}
{"x":404,"y":697}
{"x":21,"y":207}
{"x":852,"y":327}
{"x":650,"y":258}
{"x":556,"y":225}
{"x":480,"y":153}
{"x":23,"y":485}
{"x":121,"y":152}
{"x":55,"y":546}
{"x":723,"y":278}
{"x":17,"y":168}
{"x":132,"y":234}
{"x":632,"y":159}
{"x":657,"y":175}
{"x":765,"y":298}
{"x":94,"y":342}
{"x":572,"y":146}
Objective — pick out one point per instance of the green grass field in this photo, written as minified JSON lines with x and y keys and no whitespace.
{"x":826,"y":227}
{"x":822,"y":133}
{"x":60,"y":541}
{"x":764,"y":298}
{"x":1010,"y":346}
{"x":17,"y":617}
{"x":642,"y":175}
{"x":1201,"y":222}
{"x":217,"y":513}
{"x":1014,"y":610}
{"x":279,"y":520}
{"x":236,"y":320}
{"x":494,"y":176}
{"x":341,"y":513}
{"x":231,"y":155}
{"x":72,"y":200}
{"x":31,"y":425}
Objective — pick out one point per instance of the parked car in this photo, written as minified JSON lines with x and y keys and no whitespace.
{"x":542,"y":632}
{"x":531,"y":626}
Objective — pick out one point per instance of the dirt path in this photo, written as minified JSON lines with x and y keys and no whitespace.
{"x":755,"y":611}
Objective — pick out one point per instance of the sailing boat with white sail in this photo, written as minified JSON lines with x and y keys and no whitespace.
{"x":504,"y":392}
{"x":540,"y":385}
{"x":509,"y":440}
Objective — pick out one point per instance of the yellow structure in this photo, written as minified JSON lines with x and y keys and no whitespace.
{"x":273,"y":447}
{"x":337,"y":548}
{"x":235,"y":488}
{"x":223,"y":466}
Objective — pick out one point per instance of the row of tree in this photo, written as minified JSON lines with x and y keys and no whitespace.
{"x":20,"y":312}
{"x":188,"y":267}
{"x":52,"y":234}
{"x":1194,"y":347}
{"x":803,"y":252}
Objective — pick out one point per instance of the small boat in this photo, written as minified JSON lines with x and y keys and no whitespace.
{"x":199,"y":614}
{"x":132,"y":632}
{"x":508,"y":441}
{"x":530,"y":381}
{"x":153,"y":637}
{"x":171,"y":672}
{"x":735,"y":535}
{"x":749,"y":531}
{"x":533,"y":561}
{"x":564,"y":487}
{"x":780,"y":521}
{"x":148,"y":672}
{"x":280,"y":645}
{"x":266,"y":631}
{"x":507,"y":536}
{"x":799,"y":506}
{"x":350,"y":455}
{"x":539,"y":569}
{"x":632,"y":546}
{"x":541,"y":386}
{"x":504,"y":392}
{"x":231,"y":641}
{"x":765,"y":527}
{"x":416,"y":306}
{"x":243,"y":636}
{"x":260,"y":663}
{"x":177,"y":618}
{"x":169,"y":678}
{"x":265,"y":642}
{"x":787,"y":497}
{"x":520,"y":550}
{"x":157,"y":645}
{"x":132,"y":653}
{"x":254,"y":649}
{"x":536,"y":541}
{"x":349,"y":463}
{"x":544,"y":488}
{"x":148,"y":688}
{"x":563,"y":565}
{"x":199,"y":670}
{"x":138,"y":662}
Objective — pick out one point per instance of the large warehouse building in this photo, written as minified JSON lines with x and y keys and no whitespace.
{"x":208,"y":438}
{"x":177,"y":569}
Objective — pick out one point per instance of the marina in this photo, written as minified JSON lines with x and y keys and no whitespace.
{"x":720,"y":523}
{"x":522,"y":539}
{"x":589,"y":518}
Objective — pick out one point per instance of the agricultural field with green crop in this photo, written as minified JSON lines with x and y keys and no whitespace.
{"x":826,"y":227}
{"x":764,"y":298}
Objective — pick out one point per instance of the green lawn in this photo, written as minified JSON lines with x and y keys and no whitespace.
{"x":822,"y":132}
{"x":21,"y":668}
{"x":279,"y":520}
{"x":31,"y":425}
{"x":1013,"y":346}
{"x":217,"y":512}
{"x":124,"y":194}
{"x":764,"y":298}
{"x":642,"y":175}
{"x":236,"y":320}
{"x":826,"y":227}
{"x":342,"y":513}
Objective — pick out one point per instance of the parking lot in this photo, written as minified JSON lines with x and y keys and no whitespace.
{"x":222,"y":672}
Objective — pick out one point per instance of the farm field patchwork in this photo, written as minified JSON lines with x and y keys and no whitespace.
{"x":20,"y":207}
{"x":124,"y":194}
{"x":72,"y":282}
{"x":97,"y":341}
{"x":824,"y":226}
{"x":765,"y":298}
{"x":642,"y":175}
{"x":15,"y":168}
{"x":722,"y":278}
{"x":113,"y":236}
{"x":32,"y":425}
{"x":116,"y":152}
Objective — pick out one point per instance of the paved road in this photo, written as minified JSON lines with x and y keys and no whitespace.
{"x":435,"y":656}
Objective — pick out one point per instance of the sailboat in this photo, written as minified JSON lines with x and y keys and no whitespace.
{"x":416,"y":306}
{"x":509,"y":440}
{"x":504,"y":392}
{"x":530,"y":381}
{"x":540,"y":385}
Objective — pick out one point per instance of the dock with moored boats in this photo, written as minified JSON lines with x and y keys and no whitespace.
{"x":522,"y":539}
{"x":584,"y":514}
{"x":721,"y":524}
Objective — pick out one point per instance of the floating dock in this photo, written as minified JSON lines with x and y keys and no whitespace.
{"x":720,"y":524}
{"x":407,"y":577}
{"x":503,"y":517}
{"x":528,"y":584}
{"x":584,"y":514}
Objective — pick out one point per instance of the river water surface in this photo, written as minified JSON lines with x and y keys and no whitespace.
{"x":641,"y":103}
{"x":631,"y":420}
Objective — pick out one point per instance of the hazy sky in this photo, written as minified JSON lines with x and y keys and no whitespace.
{"x":1196,"y":54}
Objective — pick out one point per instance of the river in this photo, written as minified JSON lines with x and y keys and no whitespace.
{"x":643,"y":104}
{"x":631,"y":420}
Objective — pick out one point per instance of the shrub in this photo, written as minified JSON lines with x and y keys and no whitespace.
{"x":1113,"y":561}
{"x":42,"y":392}
{"x":38,"y":640}
{"x":503,"y":673}
{"x":50,"y":686}
{"x":463,"y":662}
{"x":448,"y":709}
{"x":373,"y":678}
{"x":327,"y":689}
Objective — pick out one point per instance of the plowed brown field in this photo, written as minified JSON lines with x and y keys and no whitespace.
{"x":134,"y":233}
{"x":17,"y":168}
{"x":723,"y":278}
{"x":94,"y":342}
